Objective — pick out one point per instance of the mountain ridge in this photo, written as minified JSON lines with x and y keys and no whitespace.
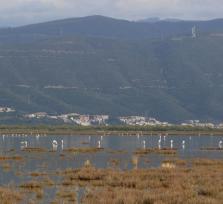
{"x":170,"y":78}
{"x":100,"y":26}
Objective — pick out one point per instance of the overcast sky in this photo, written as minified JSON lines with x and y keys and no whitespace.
{"x":19,"y":12}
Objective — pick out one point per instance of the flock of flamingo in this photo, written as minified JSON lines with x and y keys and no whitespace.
{"x":56,"y":143}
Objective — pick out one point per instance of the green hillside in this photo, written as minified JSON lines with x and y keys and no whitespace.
{"x":168,"y":79}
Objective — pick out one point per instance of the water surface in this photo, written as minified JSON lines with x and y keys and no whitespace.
{"x":115,"y":148}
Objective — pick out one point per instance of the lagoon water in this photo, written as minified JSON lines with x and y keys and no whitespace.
{"x":119,"y":148}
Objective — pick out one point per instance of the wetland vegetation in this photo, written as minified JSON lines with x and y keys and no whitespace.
{"x":191,"y":181}
{"x":125,"y":170}
{"x":107,"y":130}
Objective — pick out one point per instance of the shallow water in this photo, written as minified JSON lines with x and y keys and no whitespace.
{"x":119,"y":148}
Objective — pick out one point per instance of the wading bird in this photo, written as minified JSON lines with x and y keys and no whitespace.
{"x":171,"y":144}
{"x":183,"y":144}
{"x":99,"y":144}
{"x":24,"y":144}
{"x":220,"y":144}
{"x":55,"y":145}
{"x":144,"y":144}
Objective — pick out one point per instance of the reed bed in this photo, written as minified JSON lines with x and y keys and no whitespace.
{"x":15,"y":158}
{"x":34,"y":149}
{"x":10,"y":196}
{"x":181,"y":184}
{"x":174,"y":182}
{"x":165,"y":151}
{"x":83,"y":150}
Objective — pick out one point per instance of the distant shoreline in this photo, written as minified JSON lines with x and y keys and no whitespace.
{"x":108,"y":130}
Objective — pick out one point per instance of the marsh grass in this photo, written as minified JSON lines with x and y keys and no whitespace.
{"x":47,"y":182}
{"x":37,"y":174}
{"x":32,"y":186}
{"x":66,"y":195}
{"x":114,"y":162}
{"x":85,"y":143}
{"x":211,"y":149}
{"x":181,"y":184}
{"x":178,"y":182}
{"x":83,"y":150}
{"x":34,"y":149}
{"x":15,"y":158}
{"x":6,"y":167}
{"x":40,"y":194}
{"x":165,"y":151}
{"x":117,"y":152}
{"x":10,"y":196}
{"x":177,"y":162}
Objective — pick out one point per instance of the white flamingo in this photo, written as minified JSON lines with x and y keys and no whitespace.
{"x":159,"y":143}
{"x":55,"y":145}
{"x":220,"y":144}
{"x":99,"y":144}
{"x":62,"y":144}
{"x":24,"y":144}
{"x":37,"y":136}
{"x":183,"y":144}
{"x":171,"y":144}
{"x":144,"y":144}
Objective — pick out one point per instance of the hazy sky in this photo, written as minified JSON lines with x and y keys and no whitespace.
{"x":17,"y":12}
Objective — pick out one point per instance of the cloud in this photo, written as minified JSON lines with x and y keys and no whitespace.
{"x":16,"y":12}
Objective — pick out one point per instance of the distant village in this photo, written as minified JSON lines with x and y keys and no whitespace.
{"x":91,"y":120}
{"x":6,"y":110}
{"x":72,"y":118}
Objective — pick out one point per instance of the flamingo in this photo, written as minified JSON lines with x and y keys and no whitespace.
{"x":220,"y":144}
{"x":55,"y":145}
{"x":99,"y":144}
{"x":159,"y":143}
{"x":171,"y":144}
{"x":24,"y":144}
{"x":37,"y":137}
{"x":183,"y":144}
{"x":62,"y":144}
{"x":144,"y":144}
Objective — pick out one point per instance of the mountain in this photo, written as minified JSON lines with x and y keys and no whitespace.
{"x":88,"y":69}
{"x":157,"y":19}
{"x":149,"y":20}
{"x":104,"y":27}
{"x":173,"y":20}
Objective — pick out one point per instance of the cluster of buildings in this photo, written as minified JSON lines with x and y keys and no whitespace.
{"x":6,"y":110}
{"x":142,"y":121}
{"x":89,"y":120}
{"x":72,"y":118}
{"x":197,"y":123}
{"x":39,"y":115}
{"x":84,"y":120}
